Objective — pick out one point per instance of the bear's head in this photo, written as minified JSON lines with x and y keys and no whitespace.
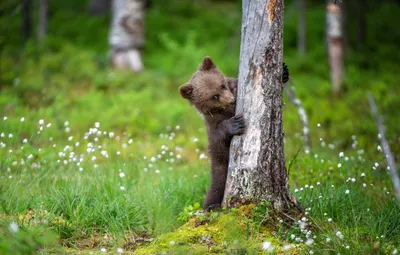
{"x":208,"y":91}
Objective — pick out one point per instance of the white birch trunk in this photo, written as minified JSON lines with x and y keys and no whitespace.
{"x":335,"y":39}
{"x":127,"y":34}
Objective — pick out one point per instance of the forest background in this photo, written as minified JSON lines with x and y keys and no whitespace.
{"x":145,"y":150}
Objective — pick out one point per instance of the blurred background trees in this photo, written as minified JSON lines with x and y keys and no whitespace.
{"x":180,"y":33}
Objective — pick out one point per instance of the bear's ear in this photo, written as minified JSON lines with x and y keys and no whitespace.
{"x":186,"y":90}
{"x":207,"y":64}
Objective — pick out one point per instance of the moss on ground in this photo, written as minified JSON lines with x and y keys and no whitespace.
{"x":230,"y":232}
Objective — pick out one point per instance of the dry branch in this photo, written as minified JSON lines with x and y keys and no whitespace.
{"x":290,"y":93}
{"x":385,"y":145}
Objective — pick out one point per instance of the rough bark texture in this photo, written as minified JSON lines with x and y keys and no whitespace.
{"x":127,"y":34}
{"x":335,"y":39}
{"x":301,"y":28}
{"x":257,"y":170}
{"x":43,"y":12}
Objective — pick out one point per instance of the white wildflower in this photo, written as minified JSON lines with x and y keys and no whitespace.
{"x":121,"y":175}
{"x":104,"y":154}
{"x":340,"y":235}
{"x":267,"y":246}
{"x":22,"y":119}
{"x":13,"y":227}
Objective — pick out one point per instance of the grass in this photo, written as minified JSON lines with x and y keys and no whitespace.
{"x":112,"y":159}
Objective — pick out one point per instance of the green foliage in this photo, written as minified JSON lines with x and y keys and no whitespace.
{"x":17,"y":240}
{"x":189,"y":212}
{"x":149,"y":170}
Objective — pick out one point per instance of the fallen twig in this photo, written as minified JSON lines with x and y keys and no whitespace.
{"x":290,"y":92}
{"x":385,"y":145}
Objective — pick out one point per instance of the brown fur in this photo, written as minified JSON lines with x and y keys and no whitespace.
{"x":214,"y":96}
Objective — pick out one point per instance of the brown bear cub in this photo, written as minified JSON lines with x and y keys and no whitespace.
{"x":214,"y":96}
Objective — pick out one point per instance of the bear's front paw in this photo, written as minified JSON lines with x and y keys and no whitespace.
{"x":236,"y":125}
{"x":285,"y":74}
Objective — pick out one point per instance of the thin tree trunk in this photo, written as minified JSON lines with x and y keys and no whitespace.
{"x":127,"y":34}
{"x":301,"y":28}
{"x":99,"y":7}
{"x":335,"y":39}
{"x":257,"y":170}
{"x":26,"y":18}
{"x":43,"y":12}
{"x":361,"y":23}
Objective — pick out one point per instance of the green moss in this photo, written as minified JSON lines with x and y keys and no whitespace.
{"x":225,"y":233}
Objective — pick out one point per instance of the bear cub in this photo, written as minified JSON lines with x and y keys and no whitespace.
{"x":214,"y":97}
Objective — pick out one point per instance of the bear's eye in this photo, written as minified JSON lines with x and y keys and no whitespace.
{"x":215,"y":97}
{"x":223,"y":86}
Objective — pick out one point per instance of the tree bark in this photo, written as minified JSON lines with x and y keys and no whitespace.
{"x":257,"y":170}
{"x":334,"y":31}
{"x":127,"y":34}
{"x":43,"y":14}
{"x":26,"y":18}
{"x":301,"y":28}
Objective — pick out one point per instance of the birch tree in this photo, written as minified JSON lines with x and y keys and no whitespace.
{"x":127,"y":34}
{"x":257,"y":170}
{"x":334,"y":32}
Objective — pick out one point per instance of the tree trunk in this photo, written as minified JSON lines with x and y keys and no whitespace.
{"x":43,"y":12}
{"x":257,"y":170}
{"x":99,"y":7}
{"x":301,"y":28}
{"x":361,"y":23}
{"x":127,"y":34}
{"x":26,"y":18}
{"x":334,"y":31}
